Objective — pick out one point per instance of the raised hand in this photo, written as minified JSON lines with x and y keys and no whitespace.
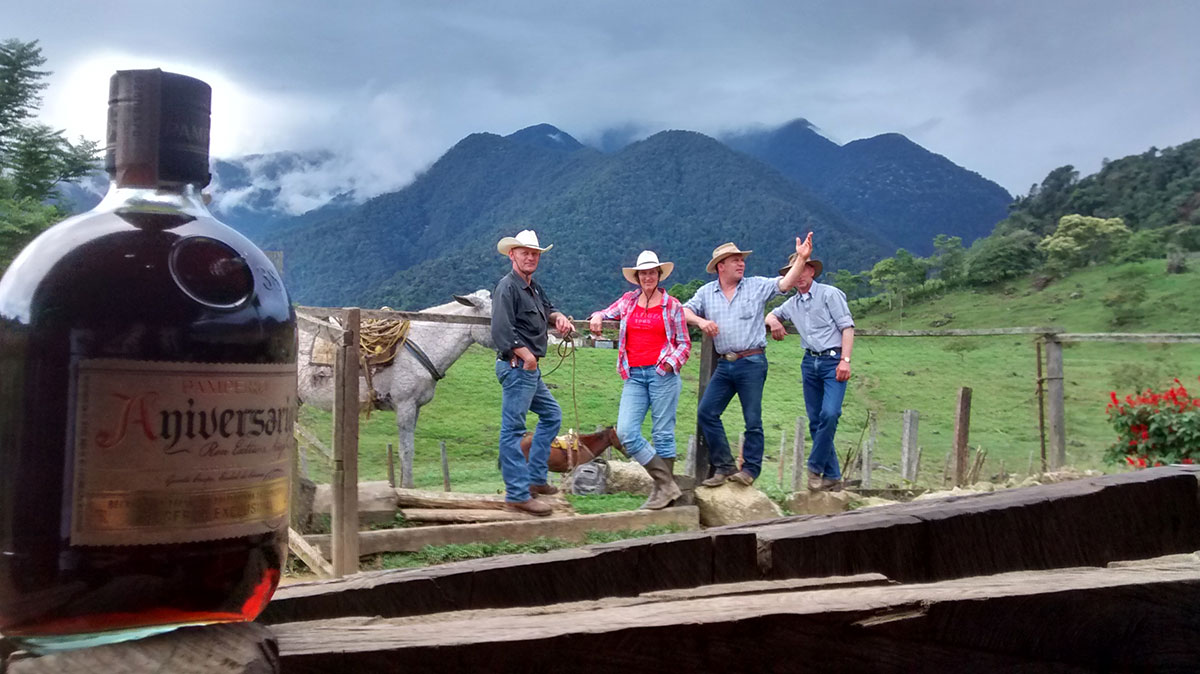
{"x":804,"y":247}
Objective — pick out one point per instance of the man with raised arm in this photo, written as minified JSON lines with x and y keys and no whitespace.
{"x":822,"y":317}
{"x":521,"y":314}
{"x":730,"y":310}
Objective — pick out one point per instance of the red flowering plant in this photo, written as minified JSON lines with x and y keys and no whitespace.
{"x":1155,"y":428}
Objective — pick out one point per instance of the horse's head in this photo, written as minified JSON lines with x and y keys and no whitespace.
{"x":478,"y":303}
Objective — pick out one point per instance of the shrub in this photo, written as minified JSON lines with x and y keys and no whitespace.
{"x":1155,"y":428}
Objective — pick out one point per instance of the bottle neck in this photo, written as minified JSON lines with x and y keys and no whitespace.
{"x":182,"y":199}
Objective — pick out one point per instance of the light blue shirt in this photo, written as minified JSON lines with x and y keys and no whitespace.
{"x":819,"y":315}
{"x":740,"y":320}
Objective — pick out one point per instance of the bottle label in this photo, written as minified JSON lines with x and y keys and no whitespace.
{"x":180,"y":452}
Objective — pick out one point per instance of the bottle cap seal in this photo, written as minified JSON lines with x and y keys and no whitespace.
{"x":158,"y":126}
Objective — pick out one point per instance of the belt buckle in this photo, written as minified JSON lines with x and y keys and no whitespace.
{"x":730,"y":356}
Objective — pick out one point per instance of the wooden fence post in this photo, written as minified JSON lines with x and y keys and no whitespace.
{"x":741,"y":448}
{"x":782,"y":455}
{"x":962,"y":429}
{"x":445,"y":467}
{"x":391,"y":466}
{"x":799,"y":466}
{"x":908,"y":446}
{"x":1054,"y":389}
{"x":868,"y":452}
{"x":344,"y":509}
{"x":689,"y":461}
{"x":708,"y":363}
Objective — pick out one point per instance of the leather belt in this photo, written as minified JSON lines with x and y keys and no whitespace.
{"x":827,"y":352}
{"x":734,"y":355}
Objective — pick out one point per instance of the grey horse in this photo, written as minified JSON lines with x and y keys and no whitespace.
{"x":407,"y":383}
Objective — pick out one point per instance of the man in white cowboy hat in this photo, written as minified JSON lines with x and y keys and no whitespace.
{"x":822,"y":317}
{"x":521,"y":314}
{"x":730,"y":310}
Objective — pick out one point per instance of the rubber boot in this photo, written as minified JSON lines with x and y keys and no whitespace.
{"x":654,"y":489}
{"x":665,"y":489}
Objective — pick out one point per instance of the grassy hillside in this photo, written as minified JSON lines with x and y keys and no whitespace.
{"x":890,"y":375}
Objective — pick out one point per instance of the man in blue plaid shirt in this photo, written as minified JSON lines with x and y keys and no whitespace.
{"x":730,"y":310}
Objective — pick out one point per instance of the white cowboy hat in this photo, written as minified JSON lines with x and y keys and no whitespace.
{"x":812,"y":261}
{"x":526,"y":238}
{"x":647,"y":259}
{"x":723,"y":251}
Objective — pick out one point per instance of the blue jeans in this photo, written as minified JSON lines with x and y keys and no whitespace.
{"x":745,"y":377}
{"x":823,"y":395}
{"x":647,"y":390}
{"x":523,"y":392}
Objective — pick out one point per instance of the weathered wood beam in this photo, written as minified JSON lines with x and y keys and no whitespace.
{"x":308,"y":554}
{"x":623,"y":568}
{"x":416,"y":498}
{"x":1082,"y":522}
{"x":1131,"y":619}
{"x":566,"y":528}
{"x":461,"y":516}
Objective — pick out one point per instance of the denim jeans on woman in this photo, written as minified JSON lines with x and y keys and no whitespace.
{"x":523,"y":392}
{"x":823,"y":395}
{"x":644,"y":390}
{"x":745,"y":377}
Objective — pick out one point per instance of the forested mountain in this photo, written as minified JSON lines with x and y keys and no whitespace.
{"x":903,"y":192}
{"x":678,"y":192}
{"x":1155,"y":190}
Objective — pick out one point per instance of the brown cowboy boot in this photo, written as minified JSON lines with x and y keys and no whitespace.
{"x":666,"y":491}
{"x":654,"y":489}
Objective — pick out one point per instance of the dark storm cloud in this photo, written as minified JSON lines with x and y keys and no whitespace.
{"x":1009,"y":89}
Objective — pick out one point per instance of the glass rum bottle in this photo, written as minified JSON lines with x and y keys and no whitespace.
{"x":147,"y":398}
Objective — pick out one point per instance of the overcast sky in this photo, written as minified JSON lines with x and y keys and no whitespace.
{"x":1009,"y":89}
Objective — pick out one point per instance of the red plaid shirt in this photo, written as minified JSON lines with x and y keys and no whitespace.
{"x":678,"y":345}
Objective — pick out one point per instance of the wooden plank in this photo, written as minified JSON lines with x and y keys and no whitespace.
{"x":771,"y":586}
{"x":241,"y":648}
{"x":417,"y":498}
{"x":425,"y":515}
{"x":312,"y":439}
{"x":624,"y":568}
{"x":1084,"y":522}
{"x":1132,"y":619}
{"x":311,"y":557}
{"x":962,"y":430}
{"x":566,"y":528}
{"x":1056,"y":406}
{"x":1132,"y":337}
{"x":980,"y":332}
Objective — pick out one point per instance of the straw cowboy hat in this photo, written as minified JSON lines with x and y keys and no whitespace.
{"x":647,"y":259}
{"x":817,"y":266}
{"x":723,"y":251}
{"x":526,"y":238}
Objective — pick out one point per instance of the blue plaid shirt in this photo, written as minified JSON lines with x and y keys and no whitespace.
{"x":819,"y":315}
{"x":740,"y":322}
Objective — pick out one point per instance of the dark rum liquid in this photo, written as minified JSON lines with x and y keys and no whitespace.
{"x":152,"y":280}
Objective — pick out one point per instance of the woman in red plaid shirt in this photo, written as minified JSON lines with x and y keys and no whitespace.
{"x":652,"y":347}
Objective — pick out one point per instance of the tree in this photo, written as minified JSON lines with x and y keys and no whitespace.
{"x":898,"y":275}
{"x":1080,"y":240}
{"x":995,"y":258}
{"x":34,"y":158}
{"x":950,"y":260}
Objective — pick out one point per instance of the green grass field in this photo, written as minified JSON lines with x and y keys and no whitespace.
{"x":890,"y":375}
